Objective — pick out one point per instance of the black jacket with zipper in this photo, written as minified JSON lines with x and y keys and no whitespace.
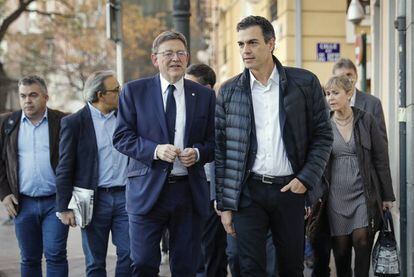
{"x":304,"y":120}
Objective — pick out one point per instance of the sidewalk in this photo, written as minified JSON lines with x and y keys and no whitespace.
{"x":9,"y":254}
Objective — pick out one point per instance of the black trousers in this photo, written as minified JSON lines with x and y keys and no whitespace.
{"x":322,"y":253}
{"x":213,"y":259}
{"x":283,"y":214}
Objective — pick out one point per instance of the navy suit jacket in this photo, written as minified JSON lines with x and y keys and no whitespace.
{"x":78,"y":156}
{"x":141,"y":126}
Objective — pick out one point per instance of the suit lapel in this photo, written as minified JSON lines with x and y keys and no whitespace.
{"x":359,"y":101}
{"x":190,"y":101}
{"x":88,"y":128}
{"x":159,"y":105}
{"x":53,"y":125}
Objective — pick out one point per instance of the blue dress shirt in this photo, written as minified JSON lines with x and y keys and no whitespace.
{"x":112,"y":164}
{"x":36,"y":176}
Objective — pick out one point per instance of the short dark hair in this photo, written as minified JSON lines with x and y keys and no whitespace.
{"x":166,"y":36}
{"x":344,"y":63}
{"x":204,"y":74}
{"x":33,"y":79}
{"x":264,"y":24}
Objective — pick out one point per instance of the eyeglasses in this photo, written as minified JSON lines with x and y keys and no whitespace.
{"x":169,"y":54}
{"x":116,"y":90}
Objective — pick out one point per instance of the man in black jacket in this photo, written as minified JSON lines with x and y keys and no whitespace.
{"x":273,"y":140}
{"x":29,"y":140}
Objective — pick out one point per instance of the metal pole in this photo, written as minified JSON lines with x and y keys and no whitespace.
{"x":119,"y":43}
{"x":400,"y":25}
{"x":364,"y":63}
{"x":181,"y":18}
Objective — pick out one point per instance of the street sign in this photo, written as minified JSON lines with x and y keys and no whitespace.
{"x":328,"y":52}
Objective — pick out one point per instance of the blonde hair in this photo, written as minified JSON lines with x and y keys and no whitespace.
{"x":339,"y":82}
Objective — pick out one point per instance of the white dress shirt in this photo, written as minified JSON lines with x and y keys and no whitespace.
{"x":180,"y":120}
{"x":271,"y":158}
{"x":352,"y":101}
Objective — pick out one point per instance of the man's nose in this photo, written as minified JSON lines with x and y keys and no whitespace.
{"x":175,"y":56}
{"x":246,"y":49}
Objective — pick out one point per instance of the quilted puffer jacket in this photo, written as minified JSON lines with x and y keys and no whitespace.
{"x":306,"y":131}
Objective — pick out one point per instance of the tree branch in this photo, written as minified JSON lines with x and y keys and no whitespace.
{"x":50,"y":13}
{"x":13,"y":16}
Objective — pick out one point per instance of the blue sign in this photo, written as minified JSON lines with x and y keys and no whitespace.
{"x":328,"y":52}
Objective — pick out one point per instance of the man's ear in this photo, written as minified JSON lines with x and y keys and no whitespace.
{"x":154,"y":60}
{"x":272,"y":44}
{"x":99,"y":94}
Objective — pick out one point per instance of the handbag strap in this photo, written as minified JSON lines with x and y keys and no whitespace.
{"x":388,"y":222}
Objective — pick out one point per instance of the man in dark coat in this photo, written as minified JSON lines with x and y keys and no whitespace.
{"x":360,"y":99}
{"x":273,"y":139}
{"x":88,"y":160}
{"x":29,"y":144}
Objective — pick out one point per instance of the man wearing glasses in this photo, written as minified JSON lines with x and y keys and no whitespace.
{"x":165,"y":125}
{"x":89,"y":160}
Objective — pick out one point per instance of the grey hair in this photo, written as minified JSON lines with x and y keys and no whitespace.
{"x":344,"y":63}
{"x":341,"y":82}
{"x":33,"y":79}
{"x":95,"y":83}
{"x":166,"y":36}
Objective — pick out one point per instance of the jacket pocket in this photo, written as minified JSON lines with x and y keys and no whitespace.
{"x":138,"y":172}
{"x":366,"y":142}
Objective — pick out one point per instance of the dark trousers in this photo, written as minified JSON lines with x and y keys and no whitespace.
{"x":213,"y":259}
{"x":174,"y":211}
{"x":322,"y":253}
{"x":233,"y":256}
{"x":283,"y":214}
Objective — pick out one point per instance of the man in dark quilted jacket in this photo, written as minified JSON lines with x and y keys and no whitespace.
{"x":273,"y":140}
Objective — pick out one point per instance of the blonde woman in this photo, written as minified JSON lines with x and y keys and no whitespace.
{"x":359,"y":177}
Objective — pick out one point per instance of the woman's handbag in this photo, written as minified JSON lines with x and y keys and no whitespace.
{"x":317,"y":221}
{"x":385,"y":259}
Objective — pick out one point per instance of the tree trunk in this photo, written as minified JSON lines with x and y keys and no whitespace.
{"x":8,"y":92}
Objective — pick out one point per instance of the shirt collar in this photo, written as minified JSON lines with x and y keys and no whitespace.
{"x":96,"y":113}
{"x":274,"y":78}
{"x":179,"y":85}
{"x":352,"y":102}
{"x":24,"y":117}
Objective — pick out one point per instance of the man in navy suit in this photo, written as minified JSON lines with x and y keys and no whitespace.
{"x":89,"y":160}
{"x":165,"y":125}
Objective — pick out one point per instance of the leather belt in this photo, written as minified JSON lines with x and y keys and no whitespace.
{"x":174,"y":178}
{"x":112,"y":189}
{"x":268,"y":179}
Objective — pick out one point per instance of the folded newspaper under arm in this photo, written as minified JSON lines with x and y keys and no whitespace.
{"x":81,"y":204}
